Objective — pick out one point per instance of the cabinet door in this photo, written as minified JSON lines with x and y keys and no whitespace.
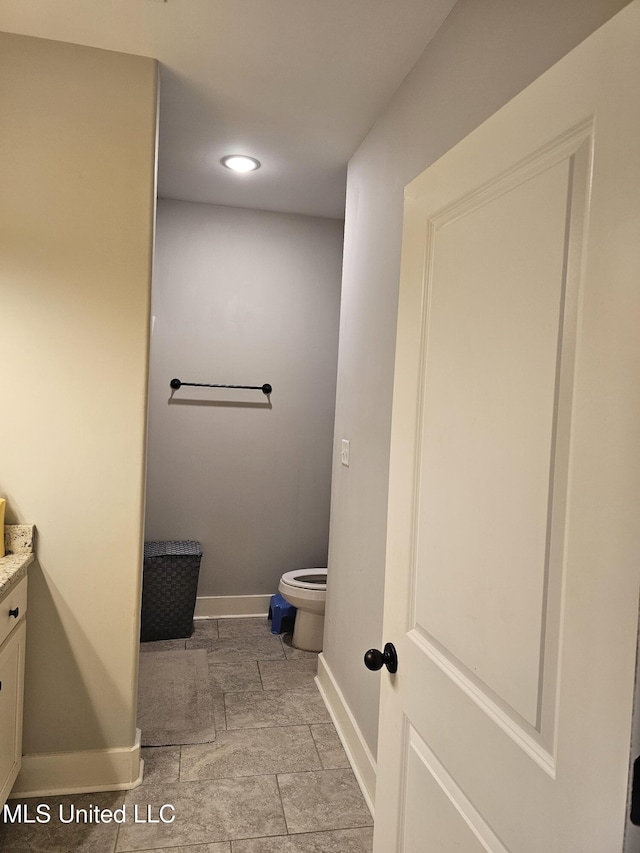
{"x":11,"y":690}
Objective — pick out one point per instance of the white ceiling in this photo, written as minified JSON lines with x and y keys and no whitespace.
{"x":295,"y":83}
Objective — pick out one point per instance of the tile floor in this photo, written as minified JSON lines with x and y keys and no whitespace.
{"x":276,"y":779}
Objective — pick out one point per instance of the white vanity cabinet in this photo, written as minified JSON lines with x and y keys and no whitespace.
{"x":18,"y":545}
{"x":13,"y":626}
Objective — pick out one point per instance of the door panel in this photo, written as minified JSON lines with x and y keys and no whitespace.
{"x":445,"y":809}
{"x":513,"y":558}
{"x":496,"y":312}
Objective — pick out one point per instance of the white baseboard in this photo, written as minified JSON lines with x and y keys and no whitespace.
{"x":81,"y":772}
{"x":226,"y":606}
{"x":358,"y":753}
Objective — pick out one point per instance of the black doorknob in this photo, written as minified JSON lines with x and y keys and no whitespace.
{"x":375,"y":659}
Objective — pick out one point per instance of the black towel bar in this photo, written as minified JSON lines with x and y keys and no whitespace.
{"x":177,"y":383}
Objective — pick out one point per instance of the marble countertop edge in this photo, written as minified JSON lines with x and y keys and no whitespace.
{"x":18,"y":544}
{"x":13,"y":567}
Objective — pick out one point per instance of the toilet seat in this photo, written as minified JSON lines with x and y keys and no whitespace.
{"x":312,"y":579}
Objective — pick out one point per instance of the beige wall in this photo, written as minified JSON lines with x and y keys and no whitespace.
{"x":243,"y":297}
{"x":77,"y":165}
{"x":485,"y":53}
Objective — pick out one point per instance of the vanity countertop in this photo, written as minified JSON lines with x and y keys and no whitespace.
{"x":18,"y":546}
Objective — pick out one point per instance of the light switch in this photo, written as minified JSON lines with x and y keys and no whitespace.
{"x":344,"y":452}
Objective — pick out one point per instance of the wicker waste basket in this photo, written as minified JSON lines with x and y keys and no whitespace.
{"x":169,"y":585}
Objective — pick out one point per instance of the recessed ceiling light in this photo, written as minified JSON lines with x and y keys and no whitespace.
{"x":240,"y":163}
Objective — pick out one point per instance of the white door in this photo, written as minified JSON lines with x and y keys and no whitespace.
{"x":513,"y":559}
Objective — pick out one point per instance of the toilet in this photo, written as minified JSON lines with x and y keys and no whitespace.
{"x":306,"y":589}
